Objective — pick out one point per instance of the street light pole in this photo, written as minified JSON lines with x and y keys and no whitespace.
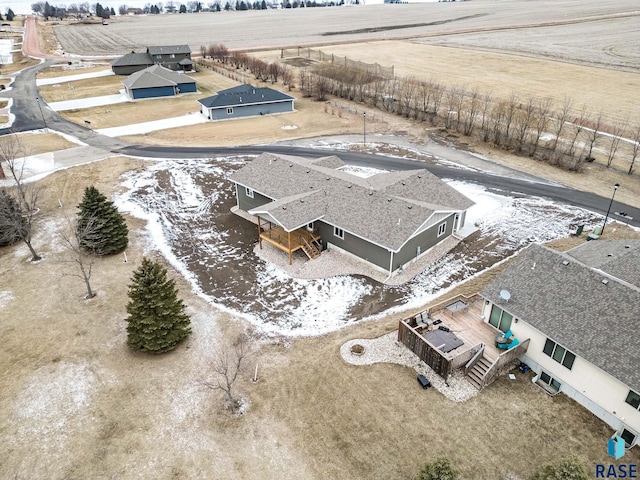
{"x":364,"y":128}
{"x":615,"y":189}
{"x":41,"y":113}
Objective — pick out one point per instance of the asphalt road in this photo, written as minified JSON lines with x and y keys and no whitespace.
{"x":31,"y":115}
{"x":499,"y":184}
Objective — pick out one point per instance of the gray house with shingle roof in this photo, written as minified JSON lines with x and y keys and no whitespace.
{"x":131,"y":63}
{"x":581,"y":311}
{"x":387,"y":220}
{"x":157,"y":81}
{"x":173,"y":57}
{"x":245,"y":101}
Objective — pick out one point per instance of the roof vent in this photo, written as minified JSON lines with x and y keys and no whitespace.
{"x":388,"y":199}
{"x":403,"y":183}
{"x":605,"y":281}
{"x":284,"y":208}
{"x":328,"y":178}
{"x":609,"y":254}
{"x":370,"y":193}
{"x":419,"y":176}
{"x":308,"y":171}
{"x":410,"y":207}
{"x":349,"y":186}
{"x":565,"y":262}
{"x":627,"y":246}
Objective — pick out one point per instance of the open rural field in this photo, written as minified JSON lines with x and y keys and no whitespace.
{"x":323,"y":26}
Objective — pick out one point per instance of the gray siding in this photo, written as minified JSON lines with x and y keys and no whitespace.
{"x":251,"y":110}
{"x":128,"y":69}
{"x":247,"y":203}
{"x":424,"y":240}
{"x":367,"y":251}
{"x":171,"y":63}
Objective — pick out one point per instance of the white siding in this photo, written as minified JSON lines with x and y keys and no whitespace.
{"x":593,"y":388}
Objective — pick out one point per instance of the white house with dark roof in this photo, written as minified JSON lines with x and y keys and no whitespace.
{"x":581,"y":311}
{"x":157,"y":81}
{"x":245,"y":101}
{"x":387,"y":220}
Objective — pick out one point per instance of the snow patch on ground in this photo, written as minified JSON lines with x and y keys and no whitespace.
{"x":5,"y":297}
{"x":186,"y":204}
{"x":50,"y":403}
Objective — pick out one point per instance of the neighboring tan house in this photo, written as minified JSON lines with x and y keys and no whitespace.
{"x":387,"y":220}
{"x":157,"y":81}
{"x":581,"y":311}
{"x":245,"y":101}
{"x":173,"y":57}
{"x":131,"y":63}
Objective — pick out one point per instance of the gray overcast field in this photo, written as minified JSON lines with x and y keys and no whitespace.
{"x":480,"y":23}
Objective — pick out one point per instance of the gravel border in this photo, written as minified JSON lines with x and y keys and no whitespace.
{"x":386,"y":349}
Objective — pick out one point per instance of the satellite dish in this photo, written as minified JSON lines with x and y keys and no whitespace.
{"x":505,"y":295}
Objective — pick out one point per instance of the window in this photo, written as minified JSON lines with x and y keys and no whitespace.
{"x":442,"y":228}
{"x":229,"y":111}
{"x":158,"y":56}
{"x":173,"y":55}
{"x":500,"y":319}
{"x":628,"y":437}
{"x":633,"y":399}
{"x":558,"y":353}
{"x":338,"y":232}
{"x":249,"y":192}
{"x":310,"y":226}
{"x":550,"y":381}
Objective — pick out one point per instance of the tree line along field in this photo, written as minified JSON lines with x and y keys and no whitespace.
{"x":520,"y":71}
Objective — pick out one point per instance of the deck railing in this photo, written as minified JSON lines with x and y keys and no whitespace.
{"x":501,"y":364}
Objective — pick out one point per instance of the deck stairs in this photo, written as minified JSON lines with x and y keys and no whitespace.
{"x":479,"y":371}
{"x":311,"y":250}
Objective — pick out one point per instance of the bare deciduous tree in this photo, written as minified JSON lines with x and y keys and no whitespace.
{"x":485,"y":113}
{"x":72,"y":237}
{"x":19,"y":222}
{"x":593,"y":134}
{"x":562,"y":117}
{"x":635,"y":138}
{"x":541,"y":122}
{"x":617,"y":131}
{"x":226,"y":365}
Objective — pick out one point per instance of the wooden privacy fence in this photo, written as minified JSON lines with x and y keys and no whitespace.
{"x":441,"y":363}
{"x":306,"y":52}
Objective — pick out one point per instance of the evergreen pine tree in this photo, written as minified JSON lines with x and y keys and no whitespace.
{"x":156,"y":321}
{"x":13,"y":224}
{"x":111,"y":235}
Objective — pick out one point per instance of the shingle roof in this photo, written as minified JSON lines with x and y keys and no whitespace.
{"x":567,"y":301}
{"x":132,"y":59}
{"x":384,"y":213}
{"x":244,"y":95}
{"x":156,"y":76}
{"x":168,"y":49}
{"x":619,"y":258}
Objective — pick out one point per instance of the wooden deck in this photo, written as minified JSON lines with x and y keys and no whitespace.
{"x":468,"y":326}
{"x":288,"y":242}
